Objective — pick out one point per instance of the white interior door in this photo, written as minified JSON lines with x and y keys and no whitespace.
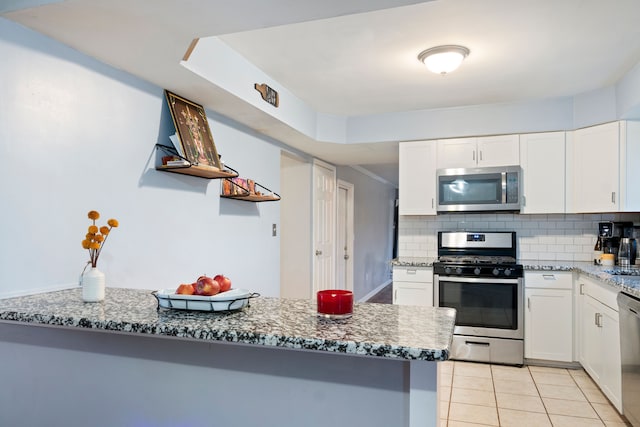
{"x":344,"y":238}
{"x":324,"y":226}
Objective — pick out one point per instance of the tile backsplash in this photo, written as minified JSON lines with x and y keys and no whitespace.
{"x":562,"y":237}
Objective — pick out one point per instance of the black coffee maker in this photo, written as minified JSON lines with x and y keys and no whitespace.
{"x":610,"y":232}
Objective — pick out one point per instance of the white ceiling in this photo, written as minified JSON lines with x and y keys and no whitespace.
{"x":357,"y":57}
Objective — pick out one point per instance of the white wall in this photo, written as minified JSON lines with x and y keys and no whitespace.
{"x":540,"y":237}
{"x":373,"y":217}
{"x":295,"y":234}
{"x":76,"y":135}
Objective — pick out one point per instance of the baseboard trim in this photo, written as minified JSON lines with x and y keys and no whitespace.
{"x":552,"y":364}
{"x":375,"y":291}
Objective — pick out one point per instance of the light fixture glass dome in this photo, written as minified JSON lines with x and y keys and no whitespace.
{"x":443,"y":59}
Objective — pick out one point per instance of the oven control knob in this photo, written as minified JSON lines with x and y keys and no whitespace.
{"x":447,"y":270}
{"x":476,"y":271}
{"x":458,"y":270}
{"x":495,"y":271}
{"x":507,"y":272}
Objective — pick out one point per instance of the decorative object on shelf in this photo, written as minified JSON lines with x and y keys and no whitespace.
{"x":93,"y":281}
{"x":193,"y":131}
{"x":174,"y":162}
{"x":247,"y":190}
{"x":268,"y":94}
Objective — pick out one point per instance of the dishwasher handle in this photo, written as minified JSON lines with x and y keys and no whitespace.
{"x":629,"y":303}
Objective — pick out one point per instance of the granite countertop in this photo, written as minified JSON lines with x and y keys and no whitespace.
{"x":413,"y":262}
{"x":381,"y":330}
{"x":629,"y":283}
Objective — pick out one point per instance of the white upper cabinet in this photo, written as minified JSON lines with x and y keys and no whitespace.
{"x":417,"y":178}
{"x":595,"y":153}
{"x":501,"y":150}
{"x":457,"y":153}
{"x":601,"y":164}
{"x":629,"y":170}
{"x":542,"y":158}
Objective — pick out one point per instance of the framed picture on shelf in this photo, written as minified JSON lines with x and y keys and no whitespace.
{"x":193,"y":131}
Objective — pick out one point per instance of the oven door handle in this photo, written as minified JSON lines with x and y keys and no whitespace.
{"x":484,"y":344}
{"x":487,"y":280}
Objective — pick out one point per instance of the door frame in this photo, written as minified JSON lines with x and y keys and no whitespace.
{"x":350,"y":231}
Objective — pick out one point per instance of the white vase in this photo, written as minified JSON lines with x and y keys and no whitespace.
{"x":93,"y":285}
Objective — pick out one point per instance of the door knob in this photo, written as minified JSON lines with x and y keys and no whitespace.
{"x":346,"y":256}
{"x":318,"y":252}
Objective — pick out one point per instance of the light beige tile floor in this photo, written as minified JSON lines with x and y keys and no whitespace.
{"x":477,"y":394}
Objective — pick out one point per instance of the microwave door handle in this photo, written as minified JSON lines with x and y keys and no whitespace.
{"x":504,"y":187}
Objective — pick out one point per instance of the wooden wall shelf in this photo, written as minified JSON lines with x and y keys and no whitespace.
{"x":254,"y":198}
{"x":246,"y":190}
{"x":201,"y":171}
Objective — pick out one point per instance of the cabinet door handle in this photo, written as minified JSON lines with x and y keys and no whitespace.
{"x":528,"y":303}
{"x":318,"y":252}
{"x":581,"y":288}
{"x":595,"y":319}
{"x":474,"y":155}
{"x":480,"y":155}
{"x":432,"y":203}
{"x":549,"y":276}
{"x":613,"y":197}
{"x":412,"y":271}
{"x":599,"y":320}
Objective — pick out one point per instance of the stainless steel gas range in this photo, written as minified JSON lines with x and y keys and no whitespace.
{"x":476,"y":273}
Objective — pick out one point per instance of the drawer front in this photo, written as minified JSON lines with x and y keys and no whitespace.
{"x":601,"y":292}
{"x":548,"y":279}
{"x":413,"y":274}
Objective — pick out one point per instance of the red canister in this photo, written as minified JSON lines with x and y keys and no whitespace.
{"x":335,"y":303}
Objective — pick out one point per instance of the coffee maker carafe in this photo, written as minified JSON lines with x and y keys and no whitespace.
{"x":627,"y":252}
{"x":611,"y":232}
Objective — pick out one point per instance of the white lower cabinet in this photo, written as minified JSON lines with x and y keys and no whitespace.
{"x":600,"y":338}
{"x":548,"y":316}
{"x":413,"y":285}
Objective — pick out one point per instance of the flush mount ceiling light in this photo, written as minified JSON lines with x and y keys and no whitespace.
{"x":443,"y":59}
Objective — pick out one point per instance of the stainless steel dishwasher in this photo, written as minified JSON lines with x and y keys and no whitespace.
{"x":630,"y":355}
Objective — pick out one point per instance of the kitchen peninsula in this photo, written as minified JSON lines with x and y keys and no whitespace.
{"x":125,"y":362}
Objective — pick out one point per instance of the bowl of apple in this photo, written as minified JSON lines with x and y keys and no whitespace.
{"x":205,"y":294}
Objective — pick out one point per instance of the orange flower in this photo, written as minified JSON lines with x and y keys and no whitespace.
{"x":93,"y":241}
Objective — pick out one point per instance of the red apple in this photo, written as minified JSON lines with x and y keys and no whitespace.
{"x":185,"y":289}
{"x":225,"y":282}
{"x":207,"y":286}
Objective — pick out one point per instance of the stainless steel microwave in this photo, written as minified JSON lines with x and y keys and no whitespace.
{"x":479,"y":189}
